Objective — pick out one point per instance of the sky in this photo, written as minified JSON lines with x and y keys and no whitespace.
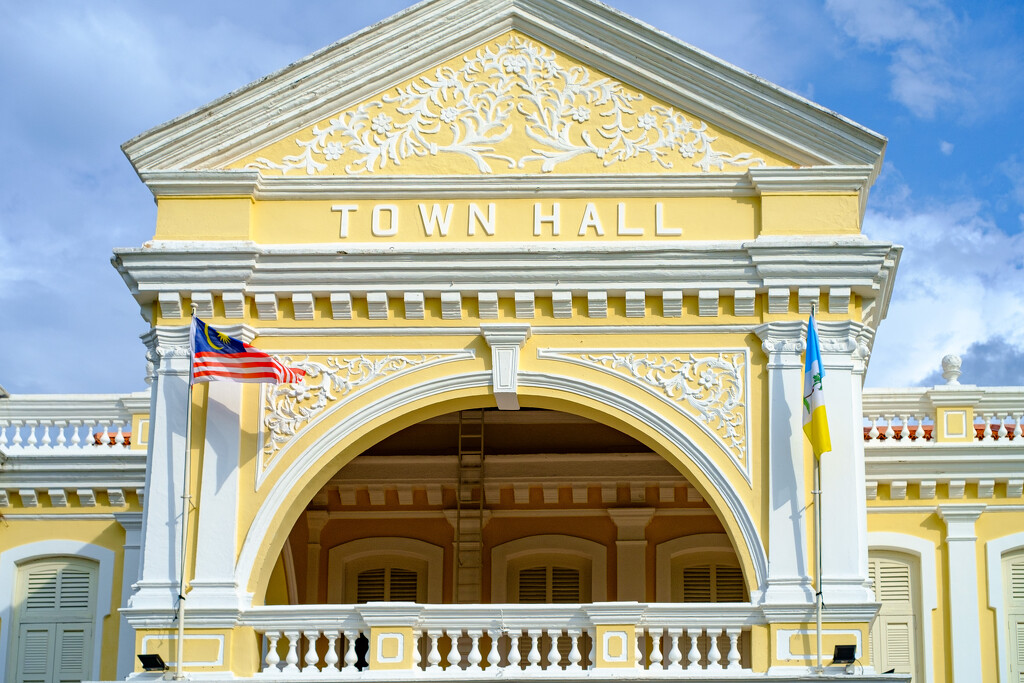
{"x":943,"y":81}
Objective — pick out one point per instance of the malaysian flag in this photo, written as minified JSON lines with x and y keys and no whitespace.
{"x":216,"y":356}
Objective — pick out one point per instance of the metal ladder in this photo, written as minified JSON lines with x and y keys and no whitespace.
{"x":469,"y":508}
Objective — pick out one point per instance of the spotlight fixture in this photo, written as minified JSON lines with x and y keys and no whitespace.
{"x":152,"y":663}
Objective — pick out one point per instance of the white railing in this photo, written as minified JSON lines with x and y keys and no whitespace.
{"x":501,"y":641}
{"x":67,"y":424}
{"x":895,"y":418}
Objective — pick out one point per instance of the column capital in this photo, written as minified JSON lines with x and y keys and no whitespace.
{"x":631,"y":522}
{"x":782,"y":338}
{"x":960,"y":521}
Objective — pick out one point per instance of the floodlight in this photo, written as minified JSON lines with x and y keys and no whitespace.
{"x":152,"y":663}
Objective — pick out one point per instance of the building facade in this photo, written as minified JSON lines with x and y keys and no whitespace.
{"x":548,"y":272}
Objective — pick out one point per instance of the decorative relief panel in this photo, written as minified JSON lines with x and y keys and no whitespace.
{"x":709,"y":387}
{"x":288,"y":409}
{"x":513,"y":106}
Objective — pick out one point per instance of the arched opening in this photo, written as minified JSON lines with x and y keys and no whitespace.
{"x":488,"y":506}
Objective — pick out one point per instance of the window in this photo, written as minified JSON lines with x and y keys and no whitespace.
{"x":708,"y":582}
{"x":1013,"y":589}
{"x":699,"y":568}
{"x":548,"y":568}
{"x":549,"y":583}
{"x":387,"y":584}
{"x":895,"y":633}
{"x":385,"y":569}
{"x":55,"y":602}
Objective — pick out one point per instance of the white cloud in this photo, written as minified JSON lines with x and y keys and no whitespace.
{"x":958,"y":284}
{"x":946,"y":147}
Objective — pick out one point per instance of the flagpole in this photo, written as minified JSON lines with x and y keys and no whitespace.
{"x":186,"y":500}
{"x":817,"y":557}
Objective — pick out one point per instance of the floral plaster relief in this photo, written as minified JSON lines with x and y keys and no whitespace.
{"x":511,"y":106}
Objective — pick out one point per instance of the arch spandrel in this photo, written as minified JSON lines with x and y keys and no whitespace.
{"x":384,"y":411}
{"x":512,"y":105}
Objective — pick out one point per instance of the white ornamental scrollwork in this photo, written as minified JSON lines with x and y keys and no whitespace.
{"x":469,"y":111}
{"x":290,"y":407}
{"x":709,"y":387}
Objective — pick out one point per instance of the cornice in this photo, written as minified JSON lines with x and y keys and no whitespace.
{"x":750,"y":183}
{"x":413,"y":40}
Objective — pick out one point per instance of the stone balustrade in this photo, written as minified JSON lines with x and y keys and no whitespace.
{"x":500,"y":641}
{"x":902,"y":418}
{"x":67,"y":424}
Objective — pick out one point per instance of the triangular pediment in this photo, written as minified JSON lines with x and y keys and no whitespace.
{"x":511,"y":105}
{"x":471,"y":87}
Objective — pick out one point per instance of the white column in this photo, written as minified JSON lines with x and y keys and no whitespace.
{"x":964,"y":619}
{"x":843,"y":505}
{"x":213,"y":585}
{"x":157,"y":588}
{"x":789,"y":580}
{"x":131,"y":522}
{"x":631,"y":552}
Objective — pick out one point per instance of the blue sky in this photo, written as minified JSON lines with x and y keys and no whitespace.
{"x":944,"y":81}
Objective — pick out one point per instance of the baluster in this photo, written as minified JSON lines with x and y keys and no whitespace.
{"x":45,"y":426}
{"x":272,"y":657}
{"x":554,"y":656}
{"x":454,"y":656}
{"x":714,"y":656}
{"x":919,"y":432}
{"x":675,"y":655}
{"x":17,"y":433}
{"x":574,"y":650}
{"x":638,"y":653}
{"x":656,"y":657}
{"x":3,"y":435}
{"x":734,"y":648}
{"x":890,"y":434}
{"x":1003,"y":433}
{"x":76,"y":437}
{"x":312,"y":658}
{"x":1017,"y":430}
{"x":987,"y":434}
{"x":474,"y":657}
{"x":693,"y":656}
{"x":104,"y":434}
{"x":119,"y":438}
{"x":534,"y":657}
{"x":873,"y":432}
{"x":417,"y":656}
{"x":434,"y":656}
{"x":493,"y":655}
{"x":292,"y":658}
{"x":592,"y":655}
{"x":32,"y":441}
{"x":350,"y":650}
{"x":331,"y":656}
{"x":514,"y":656}
{"x":62,"y":439}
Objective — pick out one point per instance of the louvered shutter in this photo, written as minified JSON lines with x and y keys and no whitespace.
{"x":712,"y":583}
{"x":729,"y":584}
{"x":894,"y":633}
{"x":402,"y":585}
{"x":72,"y":658}
{"x":549,"y":584}
{"x":35,"y":653}
{"x":565,"y":585}
{"x":697,"y":583}
{"x":370,"y":586}
{"x":1013,"y":571}
{"x":533,"y":585}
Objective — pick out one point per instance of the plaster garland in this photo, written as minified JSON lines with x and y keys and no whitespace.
{"x":288,"y":408}
{"x":469,"y":111}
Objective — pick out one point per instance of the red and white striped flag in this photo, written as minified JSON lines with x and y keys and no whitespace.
{"x":216,"y":356}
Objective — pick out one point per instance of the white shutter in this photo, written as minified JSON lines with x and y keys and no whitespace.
{"x":894,"y":635}
{"x":370,"y":586}
{"x":35,"y":653}
{"x":72,"y":656}
{"x":402,"y":585}
{"x":1013,"y":572}
{"x":697,"y":583}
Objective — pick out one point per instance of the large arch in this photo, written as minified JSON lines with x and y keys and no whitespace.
{"x":268,"y":528}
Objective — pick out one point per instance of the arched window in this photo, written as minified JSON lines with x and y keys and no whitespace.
{"x":699,"y":568}
{"x":549,"y":568}
{"x":1013,"y":589}
{"x":385,"y":570}
{"x":54,"y":610}
{"x":895,"y":635}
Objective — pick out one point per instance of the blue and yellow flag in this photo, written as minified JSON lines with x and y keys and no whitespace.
{"x":815,"y":421}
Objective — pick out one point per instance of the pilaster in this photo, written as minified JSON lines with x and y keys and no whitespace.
{"x":631,"y":552}
{"x":789,"y":580}
{"x":131,"y":522}
{"x":964,"y":618}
